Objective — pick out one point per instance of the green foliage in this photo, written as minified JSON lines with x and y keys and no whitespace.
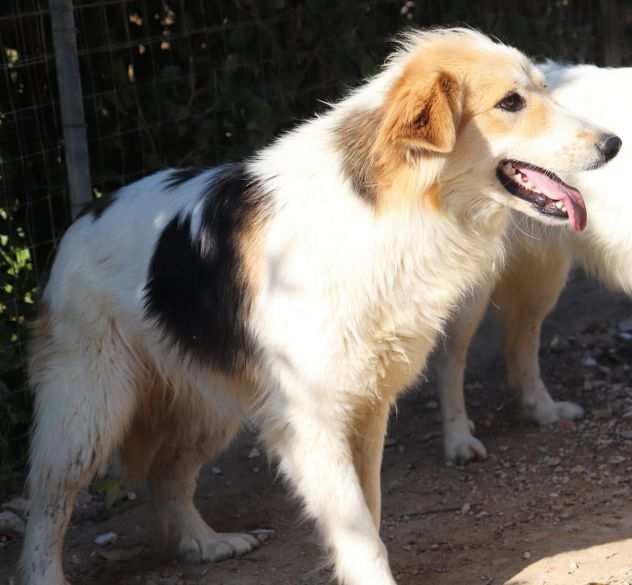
{"x":177,"y":83}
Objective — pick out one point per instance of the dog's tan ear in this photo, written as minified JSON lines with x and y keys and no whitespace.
{"x":423,"y":111}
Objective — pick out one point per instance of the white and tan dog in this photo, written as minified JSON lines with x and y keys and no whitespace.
{"x":538,"y":261}
{"x":303,"y":287}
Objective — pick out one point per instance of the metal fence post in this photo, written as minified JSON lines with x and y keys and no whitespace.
{"x":71,"y":99}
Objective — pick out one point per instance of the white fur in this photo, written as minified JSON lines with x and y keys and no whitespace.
{"x":349,"y":304}
{"x":538,"y":261}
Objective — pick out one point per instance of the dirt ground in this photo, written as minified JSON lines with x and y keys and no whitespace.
{"x":549,"y":506}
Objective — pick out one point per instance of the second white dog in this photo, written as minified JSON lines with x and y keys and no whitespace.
{"x":539,"y":259}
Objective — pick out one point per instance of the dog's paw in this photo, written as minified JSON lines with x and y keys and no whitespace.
{"x":548,"y":412}
{"x":569,"y":410}
{"x":217,"y":546}
{"x":463,"y":447}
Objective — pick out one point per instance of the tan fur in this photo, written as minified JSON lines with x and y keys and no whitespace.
{"x":523,"y":307}
{"x":367,"y":443}
{"x":442,"y":88}
{"x":422,"y":112}
{"x":355,"y":139}
{"x":420,"y":119}
{"x":250,"y":245}
{"x":432,"y":196}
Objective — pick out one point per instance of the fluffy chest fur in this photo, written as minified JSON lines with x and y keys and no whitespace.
{"x":353,"y":300}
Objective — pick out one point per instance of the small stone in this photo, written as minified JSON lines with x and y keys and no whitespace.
{"x":106,"y":538}
{"x":552,"y":461}
{"x":254,"y":453}
{"x":465,"y":508}
{"x":626,"y":435}
{"x":526,"y":555}
{"x":11,"y":522}
{"x":19,"y":506}
{"x":617,"y":459}
{"x":589,"y":361}
{"x":216,"y":470}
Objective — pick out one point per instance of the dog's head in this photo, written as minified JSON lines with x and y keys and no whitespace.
{"x":465,"y":117}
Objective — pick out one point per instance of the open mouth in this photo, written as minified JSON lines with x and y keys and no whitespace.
{"x":544,"y":190}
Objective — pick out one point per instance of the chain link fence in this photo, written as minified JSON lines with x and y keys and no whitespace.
{"x":174,"y":83}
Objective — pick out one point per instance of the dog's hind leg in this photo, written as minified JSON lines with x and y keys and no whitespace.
{"x":528,"y":290}
{"x":191,"y":434}
{"x":83,"y":402}
{"x":460,"y":445}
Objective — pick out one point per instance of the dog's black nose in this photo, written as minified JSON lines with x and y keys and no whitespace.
{"x":610,"y":145}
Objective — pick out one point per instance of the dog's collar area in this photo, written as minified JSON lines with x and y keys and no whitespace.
{"x":548,"y":194}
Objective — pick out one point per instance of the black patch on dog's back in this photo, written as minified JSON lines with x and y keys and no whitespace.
{"x":196,"y":289}
{"x":178,"y":177}
{"x":97,"y":207}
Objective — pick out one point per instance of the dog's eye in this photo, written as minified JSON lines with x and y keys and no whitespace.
{"x":512,"y":102}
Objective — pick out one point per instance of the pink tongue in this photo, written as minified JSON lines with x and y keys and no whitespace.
{"x":558,"y":191}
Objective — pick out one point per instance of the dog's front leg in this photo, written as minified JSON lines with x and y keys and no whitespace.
{"x":367,"y":441}
{"x":317,"y":457}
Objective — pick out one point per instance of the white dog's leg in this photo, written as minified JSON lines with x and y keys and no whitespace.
{"x":317,"y":457}
{"x":172,"y":480}
{"x":527,"y":292}
{"x":459,"y":444}
{"x":81,"y":413}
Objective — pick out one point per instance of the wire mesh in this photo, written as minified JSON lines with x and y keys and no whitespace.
{"x":175,"y":82}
